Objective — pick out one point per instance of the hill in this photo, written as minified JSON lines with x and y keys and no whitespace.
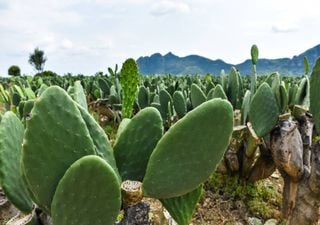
{"x":195,"y":64}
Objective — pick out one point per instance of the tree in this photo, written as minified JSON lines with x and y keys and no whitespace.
{"x":37,"y":59}
{"x":14,"y":71}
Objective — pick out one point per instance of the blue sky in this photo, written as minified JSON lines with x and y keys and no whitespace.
{"x":86,"y":36}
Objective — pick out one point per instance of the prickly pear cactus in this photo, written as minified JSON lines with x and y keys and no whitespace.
{"x":254,"y":59}
{"x":179,"y":104}
{"x":88,"y":193}
{"x":189,"y":151}
{"x":55,"y":137}
{"x":245,"y":107}
{"x":143,"y":97}
{"x":264,"y":110}
{"x":233,"y":87}
{"x":164,"y":98}
{"x":306,"y":65}
{"x":78,"y":95}
{"x":217,"y":92}
{"x":136,"y":143}
{"x":100,"y":139}
{"x":315,"y":94}
{"x":197,"y":96}
{"x":11,"y":181}
{"x":182,"y":208}
{"x":129,"y":79}
{"x":302,"y":96}
{"x":254,"y":54}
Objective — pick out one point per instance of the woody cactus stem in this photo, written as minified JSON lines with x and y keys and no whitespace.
{"x":135,"y":211}
{"x":252,"y":142}
{"x":231,"y":155}
{"x":306,"y":210}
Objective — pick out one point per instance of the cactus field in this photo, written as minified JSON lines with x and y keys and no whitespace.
{"x":100,"y":150}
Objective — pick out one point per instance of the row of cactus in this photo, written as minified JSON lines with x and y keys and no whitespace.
{"x":63,"y":146}
{"x":72,"y":145}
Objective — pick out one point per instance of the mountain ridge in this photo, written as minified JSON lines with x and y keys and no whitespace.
{"x":196,"y":64}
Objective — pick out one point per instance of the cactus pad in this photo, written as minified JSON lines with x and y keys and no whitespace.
{"x":189,"y":151}
{"x":78,"y":95}
{"x":264,"y":110}
{"x":136,"y":143}
{"x":84,"y":199}
{"x":179,"y":104}
{"x":182,"y":208}
{"x":55,"y":137}
{"x":11,"y":133}
{"x":197,"y":96}
{"x":315,"y":94}
{"x":100,"y":139}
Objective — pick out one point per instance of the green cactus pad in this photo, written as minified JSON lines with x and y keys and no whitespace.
{"x":55,"y":137}
{"x":245,"y":107}
{"x":11,"y":133}
{"x":182,"y":208}
{"x":197,"y":96}
{"x":143,"y":97}
{"x":189,"y":151}
{"x":303,"y":93}
{"x":164,"y":98}
{"x":100,"y":139}
{"x":179,"y":104}
{"x":122,"y":127}
{"x":136,"y":143}
{"x":233,"y":87}
{"x":315,"y":94}
{"x":254,"y":54}
{"x":218,"y":92}
{"x":27,"y":107}
{"x":88,"y":193}
{"x":283,"y":98}
{"x":264,"y":110}
{"x":79,"y":95}
{"x":129,"y":80}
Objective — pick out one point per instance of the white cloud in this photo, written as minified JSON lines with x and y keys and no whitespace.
{"x":84,"y":36}
{"x":164,"y":7}
{"x":284,"y":29}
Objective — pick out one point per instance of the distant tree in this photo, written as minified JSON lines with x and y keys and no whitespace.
{"x":14,"y":71}
{"x":37,"y":59}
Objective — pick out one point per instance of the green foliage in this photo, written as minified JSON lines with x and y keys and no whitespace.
{"x":14,"y":71}
{"x":129,"y":78}
{"x":260,"y":198}
{"x":37,"y":59}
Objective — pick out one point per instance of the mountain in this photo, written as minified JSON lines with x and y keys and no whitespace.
{"x":194,"y":64}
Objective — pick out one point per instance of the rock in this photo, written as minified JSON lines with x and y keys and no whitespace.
{"x":271,"y":222}
{"x":254,"y":221}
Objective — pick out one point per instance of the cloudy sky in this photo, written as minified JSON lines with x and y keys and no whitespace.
{"x":86,"y":36}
